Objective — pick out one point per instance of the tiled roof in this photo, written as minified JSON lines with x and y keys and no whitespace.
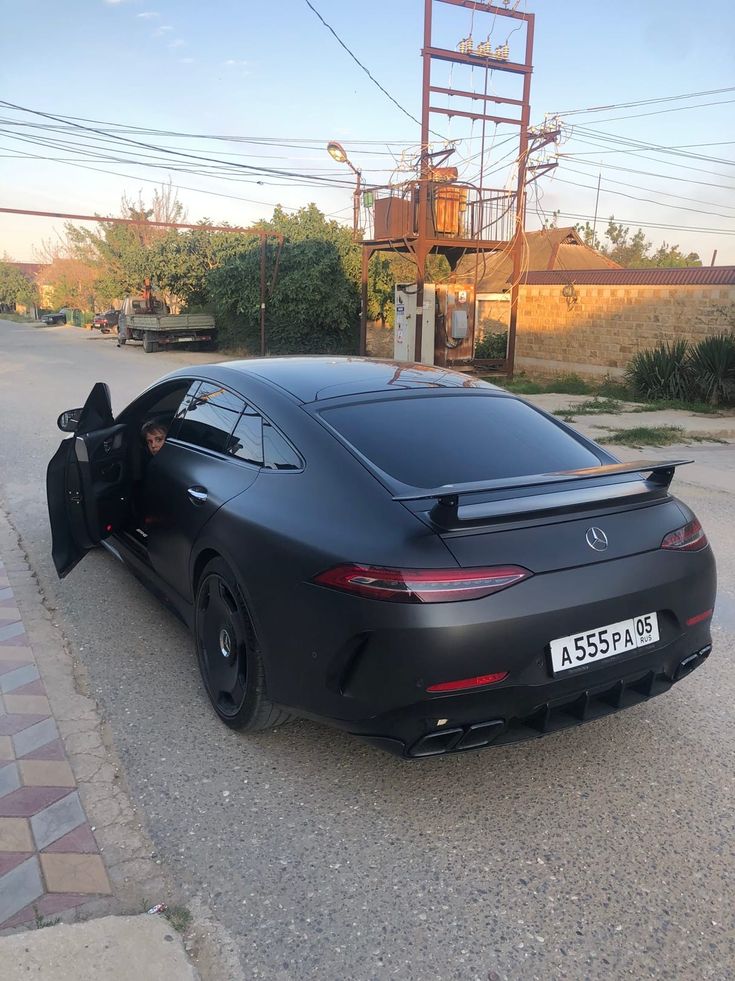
{"x":651,"y":276}
{"x":548,"y":248}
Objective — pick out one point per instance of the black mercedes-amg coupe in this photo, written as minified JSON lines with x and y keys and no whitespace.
{"x":405,"y":552}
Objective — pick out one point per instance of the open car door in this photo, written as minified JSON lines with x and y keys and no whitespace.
{"x":87,"y":481}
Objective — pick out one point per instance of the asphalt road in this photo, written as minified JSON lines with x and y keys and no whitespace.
{"x":602,"y":852}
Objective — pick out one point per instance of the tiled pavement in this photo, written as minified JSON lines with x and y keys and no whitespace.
{"x":49,"y":858}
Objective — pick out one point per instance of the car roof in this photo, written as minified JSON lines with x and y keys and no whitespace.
{"x":312,"y":379}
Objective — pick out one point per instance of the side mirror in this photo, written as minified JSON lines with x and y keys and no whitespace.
{"x":68,"y":421}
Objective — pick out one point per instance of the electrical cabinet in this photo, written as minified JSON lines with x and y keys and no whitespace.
{"x":404,"y":337}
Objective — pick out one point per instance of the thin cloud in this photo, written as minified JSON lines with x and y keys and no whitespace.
{"x":186,"y":61}
{"x":148,"y":14}
{"x":113,"y":3}
{"x":163,"y":29}
{"x":234,"y":63}
{"x":177,"y":43}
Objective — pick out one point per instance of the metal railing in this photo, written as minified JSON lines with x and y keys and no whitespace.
{"x":455,"y":211}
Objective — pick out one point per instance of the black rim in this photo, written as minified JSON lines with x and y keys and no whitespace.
{"x":222,"y":644}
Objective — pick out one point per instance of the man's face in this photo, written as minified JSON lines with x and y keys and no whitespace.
{"x":155,"y":441}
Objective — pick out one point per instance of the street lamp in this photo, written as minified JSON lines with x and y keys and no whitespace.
{"x":337,"y":152}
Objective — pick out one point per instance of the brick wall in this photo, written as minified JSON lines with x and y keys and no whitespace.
{"x":599,"y":333}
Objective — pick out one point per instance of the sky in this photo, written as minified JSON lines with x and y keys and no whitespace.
{"x":271,"y":74}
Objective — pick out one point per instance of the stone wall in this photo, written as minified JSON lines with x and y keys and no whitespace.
{"x":600,"y":332}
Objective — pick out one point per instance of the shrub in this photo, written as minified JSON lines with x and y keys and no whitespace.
{"x":712,"y":367}
{"x":492,"y":345}
{"x":661,"y":373}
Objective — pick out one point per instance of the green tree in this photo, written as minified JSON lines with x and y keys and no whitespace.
{"x":313,"y":307}
{"x":182,"y":261}
{"x":122,"y":254}
{"x":634,"y":249}
{"x":15,"y":288}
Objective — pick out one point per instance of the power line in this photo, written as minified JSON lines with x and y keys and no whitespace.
{"x":645,"y":102}
{"x":641,"y":154}
{"x":662,"y":204}
{"x":653,"y":190}
{"x":677,"y":151}
{"x":307,"y":180}
{"x":366,"y":70}
{"x":660,"y":112}
{"x":180,"y":187}
{"x":157,"y":149}
{"x":649,"y":173}
{"x":651,"y":224}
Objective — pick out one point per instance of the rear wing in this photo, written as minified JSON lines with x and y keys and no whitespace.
{"x":448,"y":512}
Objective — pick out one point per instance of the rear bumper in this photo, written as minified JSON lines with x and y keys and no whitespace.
{"x":520,"y":715}
{"x":368,"y":665}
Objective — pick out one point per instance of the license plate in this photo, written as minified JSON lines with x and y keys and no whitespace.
{"x":603,"y":642}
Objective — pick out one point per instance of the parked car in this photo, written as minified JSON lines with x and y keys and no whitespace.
{"x":106,"y":322}
{"x":405,"y":552}
{"x":54,"y":318}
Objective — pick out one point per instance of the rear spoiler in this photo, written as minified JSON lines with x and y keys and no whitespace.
{"x":446,"y":511}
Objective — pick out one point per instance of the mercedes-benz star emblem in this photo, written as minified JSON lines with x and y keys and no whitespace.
{"x":596,"y":539}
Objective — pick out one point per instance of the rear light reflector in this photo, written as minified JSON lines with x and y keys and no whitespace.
{"x":421,"y":585}
{"x":690,"y":538}
{"x":699,"y":618}
{"x":478,"y":682}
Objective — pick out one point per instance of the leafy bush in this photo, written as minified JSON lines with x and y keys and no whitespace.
{"x":661,"y":373}
{"x":314,"y":308}
{"x":492,"y":345}
{"x":712,"y":367}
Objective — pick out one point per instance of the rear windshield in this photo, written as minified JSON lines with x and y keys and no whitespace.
{"x":429,"y":442}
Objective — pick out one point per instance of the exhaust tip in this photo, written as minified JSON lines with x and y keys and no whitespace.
{"x":691,"y":662}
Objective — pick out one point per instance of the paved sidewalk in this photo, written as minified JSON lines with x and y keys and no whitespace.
{"x":49,"y":857}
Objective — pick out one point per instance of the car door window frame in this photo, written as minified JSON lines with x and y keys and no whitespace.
{"x":249,"y":408}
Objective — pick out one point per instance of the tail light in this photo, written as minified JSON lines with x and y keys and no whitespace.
{"x":468,"y":683}
{"x":421,"y":585}
{"x":690,"y":538}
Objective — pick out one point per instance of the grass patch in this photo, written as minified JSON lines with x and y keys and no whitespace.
{"x":704,"y":408}
{"x":179,"y":917}
{"x":610,"y":388}
{"x":522,"y":385}
{"x":570,"y":385}
{"x":40,"y":921}
{"x":18,"y":318}
{"x":596,"y":407}
{"x":519,"y":384}
{"x":654,"y":436}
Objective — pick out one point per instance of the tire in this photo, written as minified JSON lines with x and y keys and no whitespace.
{"x":207,"y":345}
{"x":230,"y":660}
{"x":149,"y":345}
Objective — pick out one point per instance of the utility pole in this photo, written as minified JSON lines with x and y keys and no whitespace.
{"x":597,"y":201}
{"x":433,"y":211}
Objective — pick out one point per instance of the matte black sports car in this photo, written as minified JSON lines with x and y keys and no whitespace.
{"x":407,"y":553}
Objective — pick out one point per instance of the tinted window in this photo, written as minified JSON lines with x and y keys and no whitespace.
{"x":210,"y":416}
{"x":246,"y":442}
{"x":277,"y":451}
{"x":428,"y":442}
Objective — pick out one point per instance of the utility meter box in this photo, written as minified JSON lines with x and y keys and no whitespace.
{"x":404,"y":335}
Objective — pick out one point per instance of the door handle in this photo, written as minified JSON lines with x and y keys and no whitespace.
{"x":197,"y":495}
